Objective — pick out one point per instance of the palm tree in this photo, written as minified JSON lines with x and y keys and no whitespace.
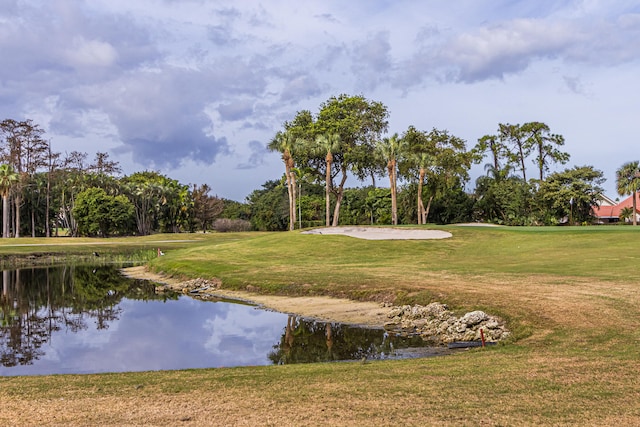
{"x":284,"y":142}
{"x":626,"y":213}
{"x":424,"y":161}
{"x":328,"y":144}
{"x":390,"y":149}
{"x":628,"y":182}
{"x":8,"y":179}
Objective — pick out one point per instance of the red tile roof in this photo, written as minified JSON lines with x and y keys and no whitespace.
{"x":614,"y":211}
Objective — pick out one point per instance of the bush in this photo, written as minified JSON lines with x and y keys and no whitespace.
{"x":223,"y":225}
{"x":100,"y":214}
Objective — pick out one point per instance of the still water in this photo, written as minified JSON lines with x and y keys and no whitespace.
{"x":90,"y":319}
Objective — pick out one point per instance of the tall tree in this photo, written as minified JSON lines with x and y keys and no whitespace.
{"x":102,"y":165}
{"x":8,"y":179}
{"x":328,"y":144}
{"x":71,"y":178}
{"x":423,"y":161}
{"x":518,"y":145}
{"x":390,"y":149}
{"x":53,"y":163}
{"x":492,"y":145}
{"x":628,"y":182}
{"x":206,"y":208}
{"x":285,"y":143}
{"x":25,"y":150}
{"x":545,"y":144}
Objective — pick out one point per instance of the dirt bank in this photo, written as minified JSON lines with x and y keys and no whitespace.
{"x":322,"y":308}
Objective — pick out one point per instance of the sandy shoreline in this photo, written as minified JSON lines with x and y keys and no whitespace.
{"x":322,"y":308}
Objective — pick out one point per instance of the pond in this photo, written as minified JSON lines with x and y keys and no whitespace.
{"x":91,"y":319}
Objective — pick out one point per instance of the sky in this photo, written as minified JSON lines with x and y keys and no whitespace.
{"x":196,"y":89}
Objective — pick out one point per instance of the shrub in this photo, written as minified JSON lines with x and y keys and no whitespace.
{"x":223,"y":225}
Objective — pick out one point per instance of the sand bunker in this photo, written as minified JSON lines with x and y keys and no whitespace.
{"x":378,"y":233}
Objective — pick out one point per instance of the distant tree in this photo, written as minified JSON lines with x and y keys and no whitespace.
{"x":269,"y":207}
{"x":424,"y":162}
{"x":626,"y":214}
{"x":518,"y":146}
{"x":437,"y":156}
{"x":99,"y":214}
{"x":389,"y":149}
{"x":103,"y":166}
{"x":571,"y":194}
{"x":545,"y":144}
{"x":176,"y":204}
{"x":206,"y":208}
{"x":515,"y":143}
{"x":328,"y":144}
{"x":145,"y":192}
{"x":286,"y":143}
{"x":492,"y":145}
{"x":235,"y":210}
{"x":628,"y":182}
{"x":75,"y":161}
{"x":23,"y":147}
{"x":366,"y":205}
{"x":380,"y":205}
{"x":453,"y":206}
{"x":8,"y":179}
{"x":503,"y":199}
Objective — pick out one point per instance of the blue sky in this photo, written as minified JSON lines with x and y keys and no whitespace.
{"x":195,"y":89}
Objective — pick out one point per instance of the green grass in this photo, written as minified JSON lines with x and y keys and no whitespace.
{"x":602,"y":252}
{"x":570,"y":294}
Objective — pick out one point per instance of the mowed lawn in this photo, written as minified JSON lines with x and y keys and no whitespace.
{"x":571,"y":296}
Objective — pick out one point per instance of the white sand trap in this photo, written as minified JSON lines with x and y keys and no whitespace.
{"x":377,"y":233}
{"x":477,"y":224}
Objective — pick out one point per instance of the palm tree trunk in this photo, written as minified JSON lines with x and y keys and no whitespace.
{"x":5,"y":215}
{"x":290,"y":193}
{"x":18,"y":202}
{"x":328,"y":194}
{"x":392,"y":183}
{"x":293,"y":199}
{"x":339,"y":194}
{"x":635,"y":214}
{"x":426,"y":211}
{"x":420,"y":203}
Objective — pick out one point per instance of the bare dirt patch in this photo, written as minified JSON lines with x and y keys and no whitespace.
{"x":318,"y":307}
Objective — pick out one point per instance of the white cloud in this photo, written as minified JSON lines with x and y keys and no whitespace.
{"x":90,"y":53}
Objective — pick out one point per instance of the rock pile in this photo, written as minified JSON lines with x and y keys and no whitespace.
{"x":191,"y":287}
{"x":437,"y":324}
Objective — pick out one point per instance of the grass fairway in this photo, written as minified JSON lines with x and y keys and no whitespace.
{"x":571,"y":296}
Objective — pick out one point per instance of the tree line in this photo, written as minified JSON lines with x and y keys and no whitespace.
{"x":44,"y":192}
{"x":426,"y":171}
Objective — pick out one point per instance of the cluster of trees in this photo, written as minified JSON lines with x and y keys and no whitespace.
{"x":345,"y":138}
{"x":43,"y":191}
{"x":426,"y":170}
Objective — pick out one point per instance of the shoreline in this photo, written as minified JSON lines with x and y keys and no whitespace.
{"x":328,"y":309}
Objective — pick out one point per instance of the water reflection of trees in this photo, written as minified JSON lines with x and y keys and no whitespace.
{"x":305,"y":341}
{"x":35,"y":302}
